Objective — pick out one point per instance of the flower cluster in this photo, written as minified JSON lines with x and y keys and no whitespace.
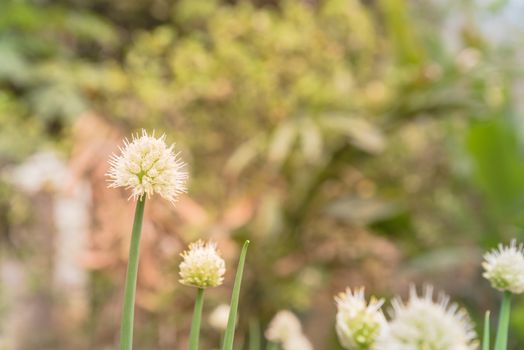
{"x":422,"y":323}
{"x":202,"y":267}
{"x":504,"y":268}
{"x":285,"y":329}
{"x":358,"y":323}
{"x":147,"y":166}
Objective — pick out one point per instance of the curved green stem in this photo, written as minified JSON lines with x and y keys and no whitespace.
{"x":501,"y":342}
{"x":128,"y":313}
{"x":232,"y":320}
{"x":197,"y":319}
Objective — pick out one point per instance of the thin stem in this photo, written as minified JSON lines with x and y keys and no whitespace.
{"x":272,"y":346}
{"x":254,"y":335}
{"x":486,"y":340}
{"x":501,"y":342}
{"x":232,"y":320}
{"x":128,"y":313}
{"x":197,"y":318}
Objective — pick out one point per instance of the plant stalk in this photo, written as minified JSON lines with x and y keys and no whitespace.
{"x":501,"y":341}
{"x":486,"y":340}
{"x":197,"y":319}
{"x":254,"y":335}
{"x":128,"y":312}
{"x":272,"y":346}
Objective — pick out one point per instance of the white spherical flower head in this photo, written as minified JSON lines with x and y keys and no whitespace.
{"x":283,"y":326}
{"x":219,"y":317}
{"x":202,"y":267}
{"x":422,"y":323}
{"x":146,"y":166}
{"x":504,"y":268}
{"x":358,"y":323}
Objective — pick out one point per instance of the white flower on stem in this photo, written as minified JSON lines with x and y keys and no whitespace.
{"x":146,"y":166}
{"x":219,"y":317}
{"x":504,"y":268}
{"x":422,"y":323}
{"x":358,"y":322}
{"x":297,"y":342}
{"x":202,"y":267}
{"x":283,"y":326}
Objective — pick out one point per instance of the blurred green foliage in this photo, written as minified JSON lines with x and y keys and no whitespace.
{"x":342,"y":120}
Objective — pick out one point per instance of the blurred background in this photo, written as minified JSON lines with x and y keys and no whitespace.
{"x":354,"y":142}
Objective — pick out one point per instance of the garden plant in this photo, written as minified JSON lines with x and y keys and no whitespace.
{"x":362,"y":147}
{"x":147,"y":166}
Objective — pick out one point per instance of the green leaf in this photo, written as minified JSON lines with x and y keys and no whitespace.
{"x":361,"y":133}
{"x":399,"y":26}
{"x":90,"y":27}
{"x":243,"y":156}
{"x":13,"y":66}
{"x":59,"y":100}
{"x":231,"y":322}
{"x":362,"y":211}
{"x":498,"y":165}
{"x":282,"y":142}
{"x":310,"y":140}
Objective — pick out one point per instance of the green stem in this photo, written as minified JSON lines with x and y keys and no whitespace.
{"x":197,"y":318}
{"x":486,"y":340}
{"x":254,"y":335}
{"x":128,"y":313}
{"x":501,"y":342}
{"x":232,"y":320}
{"x":272,"y":346}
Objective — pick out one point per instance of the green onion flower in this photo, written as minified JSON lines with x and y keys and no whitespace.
{"x":504,"y":268}
{"x":202,"y":267}
{"x":146,"y":165}
{"x":422,"y":323}
{"x":359,"y":323}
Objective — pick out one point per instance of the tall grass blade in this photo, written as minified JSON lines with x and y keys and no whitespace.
{"x":231,"y":323}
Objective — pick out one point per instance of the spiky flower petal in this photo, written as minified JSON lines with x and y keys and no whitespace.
{"x":202,"y":267}
{"x":146,"y":166}
{"x":283,"y":326}
{"x":422,"y":323}
{"x":504,"y":268}
{"x":359,"y":323}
